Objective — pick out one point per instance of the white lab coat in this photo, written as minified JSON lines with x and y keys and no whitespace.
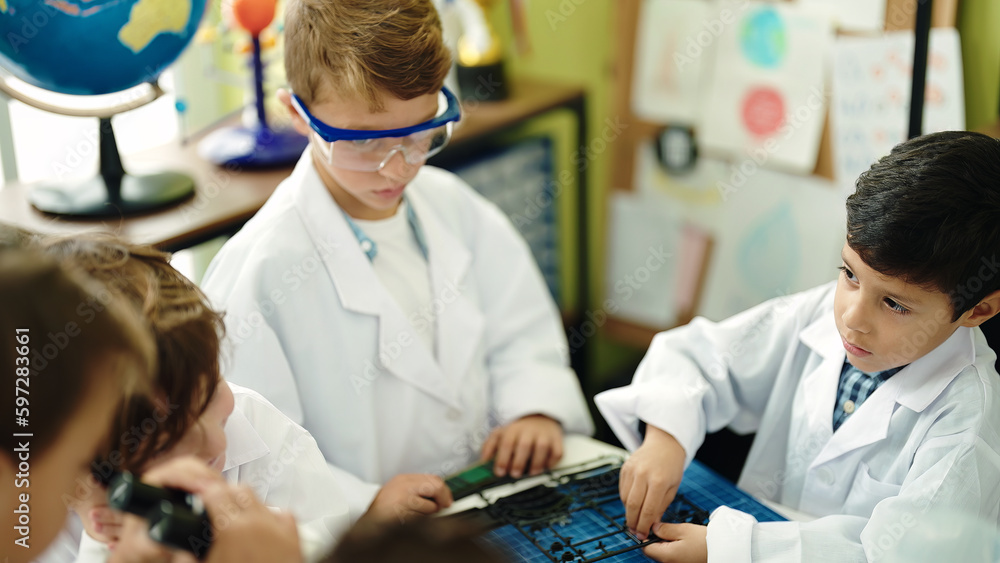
{"x":926,"y":439}
{"x":281,"y":463}
{"x":314,"y":330}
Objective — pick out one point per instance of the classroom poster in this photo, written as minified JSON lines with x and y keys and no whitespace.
{"x":871,"y":84}
{"x":672,"y":49}
{"x":767,"y":92}
{"x":774,"y":233}
{"x":643,"y":257}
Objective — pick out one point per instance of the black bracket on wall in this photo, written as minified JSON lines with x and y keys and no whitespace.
{"x":922,"y":32}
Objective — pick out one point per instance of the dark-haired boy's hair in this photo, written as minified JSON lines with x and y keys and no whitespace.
{"x":424,"y":540}
{"x":929,"y":213}
{"x":187,"y":334}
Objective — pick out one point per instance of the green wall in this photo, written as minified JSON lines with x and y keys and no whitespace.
{"x":979,"y":27}
{"x":573,"y":41}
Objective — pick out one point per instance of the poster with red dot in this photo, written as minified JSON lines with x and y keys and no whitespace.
{"x":768,"y":95}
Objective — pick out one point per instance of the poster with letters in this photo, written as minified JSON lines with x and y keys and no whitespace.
{"x":871,"y":86}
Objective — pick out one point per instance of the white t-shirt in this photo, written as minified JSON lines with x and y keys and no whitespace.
{"x":402,"y":268}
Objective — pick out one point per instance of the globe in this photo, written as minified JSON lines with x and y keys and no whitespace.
{"x":95,"y":47}
{"x":88,"y":47}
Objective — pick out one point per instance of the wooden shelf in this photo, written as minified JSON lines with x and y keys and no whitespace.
{"x":631,"y":334}
{"x":226,"y":199}
{"x":528,"y":98}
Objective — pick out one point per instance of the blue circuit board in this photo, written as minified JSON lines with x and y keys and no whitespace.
{"x":581,"y":519}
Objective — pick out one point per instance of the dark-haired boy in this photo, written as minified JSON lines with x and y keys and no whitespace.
{"x":865,"y":420}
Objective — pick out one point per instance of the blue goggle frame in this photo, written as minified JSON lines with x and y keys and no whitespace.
{"x":331,"y":134}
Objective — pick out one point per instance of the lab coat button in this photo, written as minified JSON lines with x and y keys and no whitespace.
{"x":826,"y":476}
{"x":454,"y":414}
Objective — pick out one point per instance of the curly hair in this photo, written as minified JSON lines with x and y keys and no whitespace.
{"x":187,"y":334}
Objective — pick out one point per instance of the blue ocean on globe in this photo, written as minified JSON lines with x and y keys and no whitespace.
{"x":89,"y":47}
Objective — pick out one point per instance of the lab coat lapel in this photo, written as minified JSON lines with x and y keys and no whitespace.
{"x":913,"y":387}
{"x":869,"y":424}
{"x":404,"y":355}
{"x":866,"y":426}
{"x":243,"y":445}
{"x":400,"y":351}
{"x":928,"y":377}
{"x":347,"y":265}
{"x":460,"y":324}
{"x":819,"y":387}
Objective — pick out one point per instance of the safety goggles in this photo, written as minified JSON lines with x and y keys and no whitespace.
{"x":370,"y":151}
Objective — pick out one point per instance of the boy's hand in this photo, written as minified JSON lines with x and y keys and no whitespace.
{"x":406,"y":496}
{"x":98,"y":519}
{"x":103,"y":523}
{"x":136,"y":547}
{"x":685,"y":543}
{"x":246,"y":531}
{"x":243,"y":529}
{"x":535,"y":437}
{"x":649,"y":480}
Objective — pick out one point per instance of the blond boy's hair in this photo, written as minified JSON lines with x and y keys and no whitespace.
{"x":362,"y":48}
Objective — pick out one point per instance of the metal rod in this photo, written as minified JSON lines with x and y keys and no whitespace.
{"x":258,"y":82}
{"x":111,"y":161}
{"x":7,"y":155}
{"x":134,"y":99}
{"x":922,"y":31}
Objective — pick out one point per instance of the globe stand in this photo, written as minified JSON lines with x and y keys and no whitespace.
{"x":114,"y":192}
{"x":258,"y":146}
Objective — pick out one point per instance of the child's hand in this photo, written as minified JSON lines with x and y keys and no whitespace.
{"x":103,"y":523}
{"x":535,"y":437}
{"x":243,"y":529}
{"x":685,"y":543}
{"x":136,"y":547}
{"x":98,"y":519}
{"x":406,"y":496}
{"x":649,"y":480}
